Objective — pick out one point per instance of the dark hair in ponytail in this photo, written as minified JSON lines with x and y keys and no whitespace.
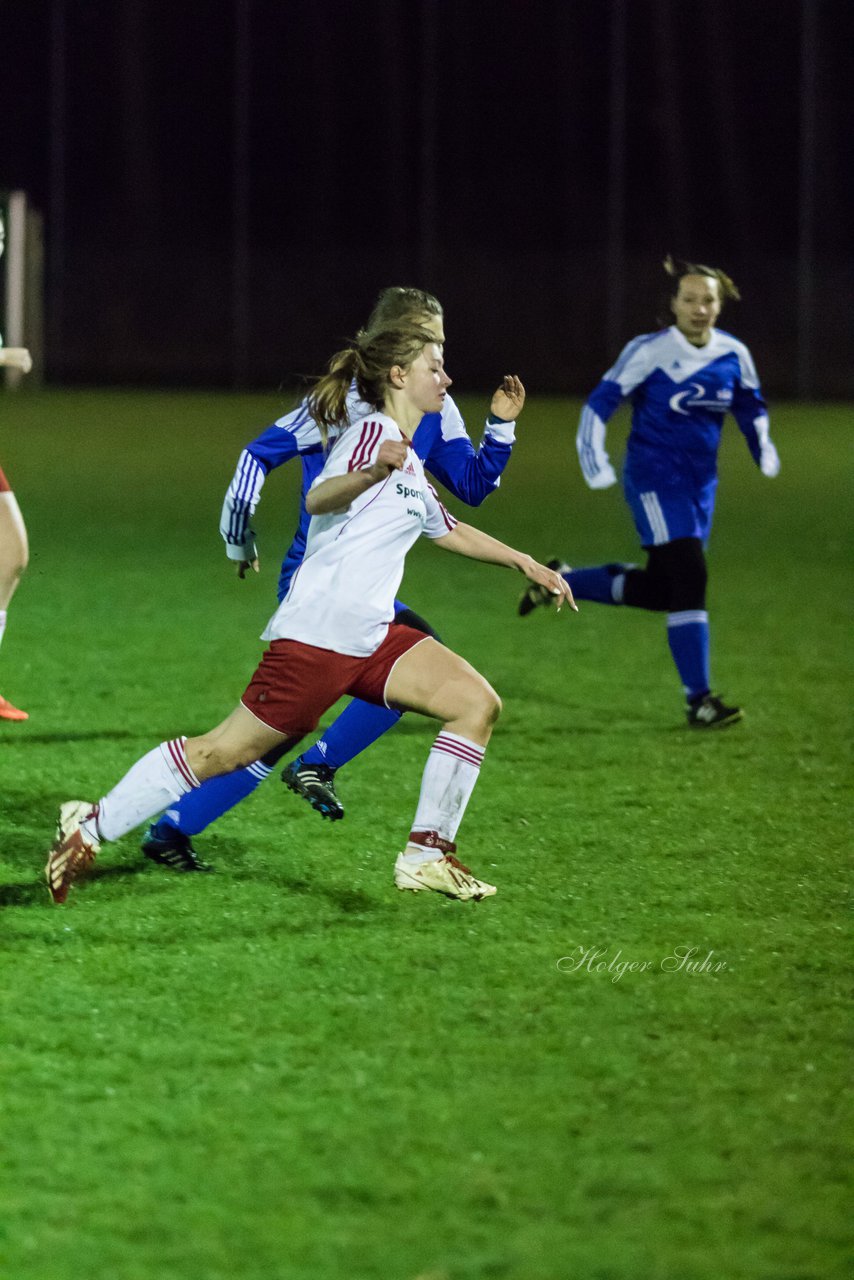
{"x":676,"y":268}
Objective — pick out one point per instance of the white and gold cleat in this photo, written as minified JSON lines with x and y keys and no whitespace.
{"x":71,"y":853}
{"x":445,"y":874}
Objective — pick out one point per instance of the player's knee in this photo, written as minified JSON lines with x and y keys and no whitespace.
{"x":484,"y":704}
{"x":493,"y":706}
{"x":689,"y":576}
{"x":644,"y":589}
{"x":689,"y":594}
{"x":679,"y":572}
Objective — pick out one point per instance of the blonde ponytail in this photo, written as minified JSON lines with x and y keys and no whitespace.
{"x":327,"y":402}
{"x":368,"y":360}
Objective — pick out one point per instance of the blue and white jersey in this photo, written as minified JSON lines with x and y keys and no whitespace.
{"x":680,"y":394}
{"x":440,"y":441}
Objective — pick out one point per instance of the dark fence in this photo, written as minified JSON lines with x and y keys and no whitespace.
{"x":227,"y":186}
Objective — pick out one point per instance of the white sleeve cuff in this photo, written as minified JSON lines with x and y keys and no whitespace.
{"x":246,"y":552}
{"x":602,"y":479}
{"x":769,"y":460}
{"x":503,"y":431}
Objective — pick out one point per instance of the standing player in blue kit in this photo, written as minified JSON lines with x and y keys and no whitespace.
{"x":681,"y":382}
{"x":447,"y":452}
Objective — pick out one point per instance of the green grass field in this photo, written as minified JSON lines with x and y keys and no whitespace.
{"x":289,"y":1071}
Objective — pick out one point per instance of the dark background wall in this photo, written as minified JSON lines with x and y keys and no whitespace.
{"x":226,"y":184}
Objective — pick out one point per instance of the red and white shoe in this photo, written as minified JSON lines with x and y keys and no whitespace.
{"x":444,"y":874}
{"x":8,"y":712}
{"x":71,"y":853}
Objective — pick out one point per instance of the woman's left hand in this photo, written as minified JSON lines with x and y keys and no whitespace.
{"x":551,"y":580}
{"x":508,"y":400}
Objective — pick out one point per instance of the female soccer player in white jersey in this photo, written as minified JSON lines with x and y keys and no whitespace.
{"x":681,"y":381}
{"x":334,"y":632}
{"x":14,"y":552}
{"x":469,"y":473}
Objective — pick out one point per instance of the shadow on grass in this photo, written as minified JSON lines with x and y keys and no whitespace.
{"x":349,"y":902}
{"x":345,"y":898}
{"x":24,"y":894}
{"x":28,"y":893}
{"x":99,"y":735}
{"x":231,"y":860}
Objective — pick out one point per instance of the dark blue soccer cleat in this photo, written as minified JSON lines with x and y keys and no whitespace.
{"x":167,"y":845}
{"x":316,"y":784}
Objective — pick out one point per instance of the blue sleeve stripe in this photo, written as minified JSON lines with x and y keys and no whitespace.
{"x":247,"y":475}
{"x":293,"y":418}
{"x":237,"y":514}
{"x":585,"y":441}
{"x":302,"y":419}
{"x":605,"y":398}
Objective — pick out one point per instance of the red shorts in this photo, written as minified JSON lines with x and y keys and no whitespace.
{"x":5,"y":487}
{"x":295,"y":683}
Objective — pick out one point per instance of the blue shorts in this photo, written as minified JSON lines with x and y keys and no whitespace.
{"x":663,"y":513}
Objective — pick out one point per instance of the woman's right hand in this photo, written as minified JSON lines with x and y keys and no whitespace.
{"x":390,"y":457}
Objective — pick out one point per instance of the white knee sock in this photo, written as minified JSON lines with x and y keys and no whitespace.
{"x":150,"y":786}
{"x":2,"y":623}
{"x":449,"y":776}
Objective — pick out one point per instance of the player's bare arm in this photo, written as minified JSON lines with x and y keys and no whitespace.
{"x":509,"y":399}
{"x":336,"y":493}
{"x":465,"y":540}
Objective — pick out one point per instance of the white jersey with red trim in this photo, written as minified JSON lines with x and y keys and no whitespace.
{"x":342,"y":595}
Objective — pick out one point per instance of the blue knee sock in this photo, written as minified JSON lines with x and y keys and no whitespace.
{"x":688,"y":637}
{"x":203,"y":805}
{"x":358,"y":725}
{"x":604,"y":584}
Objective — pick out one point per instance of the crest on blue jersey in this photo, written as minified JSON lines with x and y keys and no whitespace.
{"x":694,"y":398}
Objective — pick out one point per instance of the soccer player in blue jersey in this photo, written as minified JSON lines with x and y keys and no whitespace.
{"x":681,"y":382}
{"x":444,"y":447}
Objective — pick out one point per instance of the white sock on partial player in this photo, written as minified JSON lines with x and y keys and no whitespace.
{"x":2,"y":623}
{"x":452,"y":769}
{"x":150,"y":786}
